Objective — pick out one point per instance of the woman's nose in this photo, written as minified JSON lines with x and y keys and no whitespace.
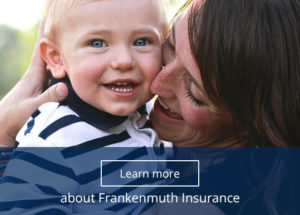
{"x":122,"y":59}
{"x":164,"y":84}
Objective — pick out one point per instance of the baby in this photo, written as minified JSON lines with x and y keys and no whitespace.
{"x":107,"y":52}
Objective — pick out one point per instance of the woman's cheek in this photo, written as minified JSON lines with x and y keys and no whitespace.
{"x":201,"y":118}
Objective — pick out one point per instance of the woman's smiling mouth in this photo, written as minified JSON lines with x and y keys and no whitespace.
{"x":164,"y":109}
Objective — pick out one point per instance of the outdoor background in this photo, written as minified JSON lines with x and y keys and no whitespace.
{"x":19,"y":21}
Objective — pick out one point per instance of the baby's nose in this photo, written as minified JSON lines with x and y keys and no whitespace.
{"x":122,"y":59}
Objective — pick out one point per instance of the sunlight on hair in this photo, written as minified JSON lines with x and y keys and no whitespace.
{"x":173,"y":8}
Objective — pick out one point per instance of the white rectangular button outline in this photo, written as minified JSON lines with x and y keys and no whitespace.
{"x":197,"y":161}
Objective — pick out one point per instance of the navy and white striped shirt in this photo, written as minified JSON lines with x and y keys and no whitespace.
{"x":36,"y":178}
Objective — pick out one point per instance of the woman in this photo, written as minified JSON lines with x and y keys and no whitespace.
{"x":231,"y":75}
{"x":231,"y":78}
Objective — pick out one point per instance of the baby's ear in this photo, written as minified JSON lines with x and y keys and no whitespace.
{"x":51,"y":54}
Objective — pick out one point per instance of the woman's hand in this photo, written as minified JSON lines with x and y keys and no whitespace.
{"x":26,"y":96}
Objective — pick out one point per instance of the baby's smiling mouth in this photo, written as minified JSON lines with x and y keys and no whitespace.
{"x":121,"y":86}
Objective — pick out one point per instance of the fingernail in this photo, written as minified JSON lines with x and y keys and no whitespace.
{"x":61,"y":90}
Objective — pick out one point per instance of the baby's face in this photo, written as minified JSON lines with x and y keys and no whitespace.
{"x":111,"y":51}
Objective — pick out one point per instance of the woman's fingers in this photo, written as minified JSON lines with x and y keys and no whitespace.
{"x":55,"y":93}
{"x":20,"y":103}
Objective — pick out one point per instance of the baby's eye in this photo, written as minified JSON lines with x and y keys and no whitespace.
{"x":141,"y":42}
{"x":98,"y":44}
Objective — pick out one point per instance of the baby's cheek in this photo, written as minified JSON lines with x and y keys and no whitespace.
{"x":155,"y":62}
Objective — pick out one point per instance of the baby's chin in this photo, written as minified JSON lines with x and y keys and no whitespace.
{"x":121,"y":110}
{"x":124,"y":108}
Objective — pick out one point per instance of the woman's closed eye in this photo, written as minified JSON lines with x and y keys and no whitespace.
{"x":193,"y":93}
{"x":98,"y":43}
{"x":141,"y":42}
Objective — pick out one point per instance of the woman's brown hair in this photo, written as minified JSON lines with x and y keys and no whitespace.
{"x":248,"y":53}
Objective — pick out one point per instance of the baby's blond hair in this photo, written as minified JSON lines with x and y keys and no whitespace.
{"x":57,"y":10}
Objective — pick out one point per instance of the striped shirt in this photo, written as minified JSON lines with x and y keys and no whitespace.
{"x":5,"y":154}
{"x":65,"y":160}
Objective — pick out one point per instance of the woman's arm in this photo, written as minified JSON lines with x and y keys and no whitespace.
{"x":26,"y":96}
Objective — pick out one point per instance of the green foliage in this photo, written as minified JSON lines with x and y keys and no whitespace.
{"x":15,"y":54}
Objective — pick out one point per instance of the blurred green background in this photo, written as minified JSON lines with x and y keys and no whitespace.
{"x":16,"y":47}
{"x":17,"y":43}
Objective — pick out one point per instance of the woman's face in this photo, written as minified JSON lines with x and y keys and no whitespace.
{"x":183,"y":114}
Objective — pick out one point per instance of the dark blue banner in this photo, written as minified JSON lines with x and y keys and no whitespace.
{"x":110,"y":180}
